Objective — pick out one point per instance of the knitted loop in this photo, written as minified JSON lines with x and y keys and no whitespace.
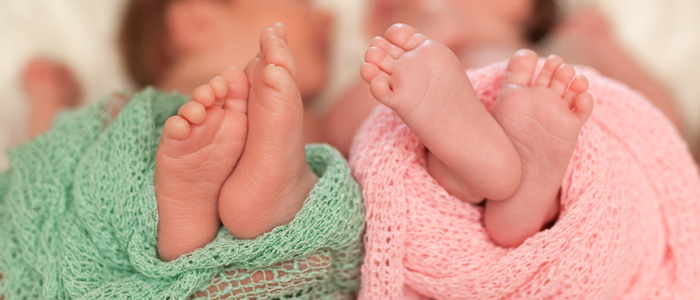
{"x":628,"y":227}
{"x":79,"y":220}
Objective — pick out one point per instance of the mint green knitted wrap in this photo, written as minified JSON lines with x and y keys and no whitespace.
{"x":78,"y":220}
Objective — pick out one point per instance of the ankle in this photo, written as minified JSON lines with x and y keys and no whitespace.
{"x":183,"y":231}
{"x":293,"y":201}
{"x":250,"y":222}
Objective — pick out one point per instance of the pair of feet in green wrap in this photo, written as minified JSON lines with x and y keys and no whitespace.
{"x":235,"y":154}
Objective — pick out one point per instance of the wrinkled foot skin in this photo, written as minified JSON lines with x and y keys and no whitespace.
{"x":272,"y":180}
{"x":543,"y":119}
{"x":425,"y":83}
{"x":198,"y":151}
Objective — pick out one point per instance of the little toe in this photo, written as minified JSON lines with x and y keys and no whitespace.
{"x":380,"y":58}
{"x":521,"y":68}
{"x":561,"y":78}
{"x":578,"y":86}
{"x":370,"y":71}
{"x":379,"y":87}
{"x":583,"y":107}
{"x":385,"y":45}
{"x":283,"y":58}
{"x":405,"y":36}
{"x":193,"y":111}
{"x":550,"y":66}
{"x":204,"y":95}
{"x":176,"y":128}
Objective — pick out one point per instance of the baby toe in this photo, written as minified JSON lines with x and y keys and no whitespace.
{"x":219,"y":86}
{"x":379,"y":87}
{"x":578,"y":86}
{"x":204,"y":95}
{"x":273,"y":41}
{"x":237,"y":83}
{"x":380,"y":58}
{"x":404,"y":36}
{"x":370,"y":71}
{"x":194,"y":112}
{"x":521,"y":68}
{"x":176,"y":128}
{"x":550,"y":66}
{"x":282,"y":57}
{"x":583,"y":107}
{"x":388,"y":47}
{"x":561,"y":78}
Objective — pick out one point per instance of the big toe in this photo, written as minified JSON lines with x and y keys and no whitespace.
{"x":404,"y":36}
{"x":275,"y":72}
{"x":274,"y":155}
{"x":279,"y":54}
{"x":274,"y":88}
{"x":521,"y":68}
{"x":276,"y":50}
{"x":276,"y":104}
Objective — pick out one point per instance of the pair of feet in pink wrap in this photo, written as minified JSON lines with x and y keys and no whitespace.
{"x":235,"y":155}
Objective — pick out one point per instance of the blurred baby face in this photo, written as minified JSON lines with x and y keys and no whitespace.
{"x":452,"y":22}
{"x":307,"y":31}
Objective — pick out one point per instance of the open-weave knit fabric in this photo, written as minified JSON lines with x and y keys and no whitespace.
{"x":78,"y":219}
{"x":629,"y":226}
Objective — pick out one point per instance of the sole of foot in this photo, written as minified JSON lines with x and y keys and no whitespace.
{"x":426,"y":84}
{"x":198,"y":151}
{"x":272,"y":180}
{"x":543,"y":119}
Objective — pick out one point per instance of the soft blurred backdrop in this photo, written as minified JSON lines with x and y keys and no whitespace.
{"x":662,"y":35}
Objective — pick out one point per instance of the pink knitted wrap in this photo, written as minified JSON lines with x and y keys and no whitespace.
{"x":629,"y":226}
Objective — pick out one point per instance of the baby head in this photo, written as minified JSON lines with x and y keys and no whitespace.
{"x":180,"y":44}
{"x":459,"y":22}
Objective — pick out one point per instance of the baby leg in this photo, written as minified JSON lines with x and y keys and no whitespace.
{"x":425,"y":83}
{"x":543,"y":121}
{"x":197,"y":153}
{"x":272,"y":180}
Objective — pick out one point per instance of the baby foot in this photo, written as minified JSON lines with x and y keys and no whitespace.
{"x":272,"y":180}
{"x":50,"y":87}
{"x":425,"y":83}
{"x":197,"y":153}
{"x":543,"y":120}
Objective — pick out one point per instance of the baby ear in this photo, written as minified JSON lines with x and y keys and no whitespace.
{"x":191,"y":23}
